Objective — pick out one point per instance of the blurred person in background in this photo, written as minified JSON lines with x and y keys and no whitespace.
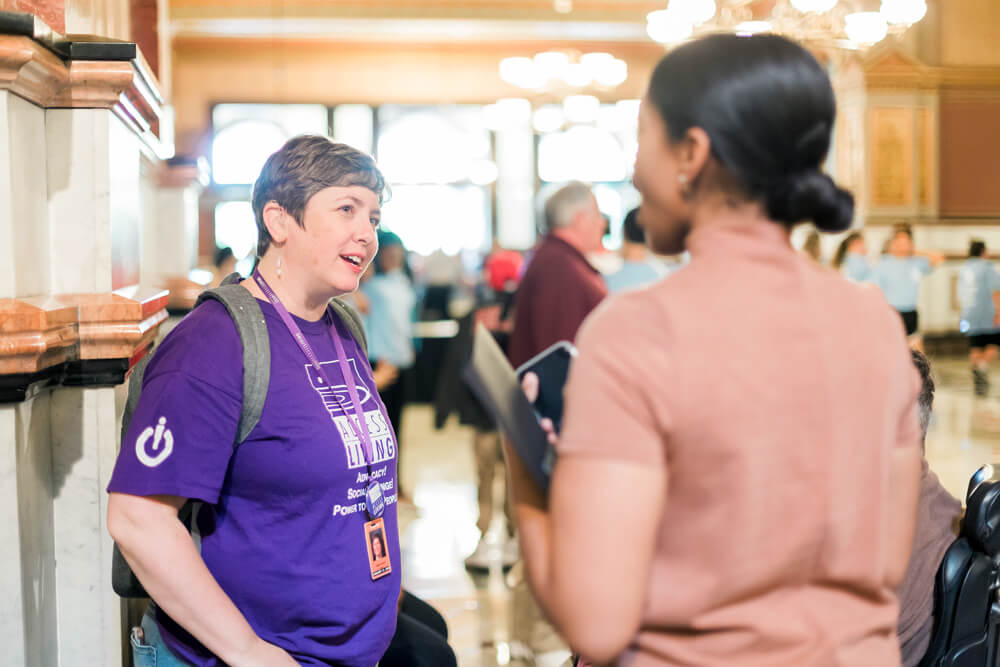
{"x":813,"y":247}
{"x":851,"y":259}
{"x":938,"y":514}
{"x":979,"y":295}
{"x":639,"y":267}
{"x":392,"y":302}
{"x":899,"y":273}
{"x":560,"y":287}
{"x":500,"y":276}
{"x":224,"y":263}
{"x":682,"y":497}
{"x":385,"y":373}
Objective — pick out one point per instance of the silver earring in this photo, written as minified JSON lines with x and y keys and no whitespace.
{"x":279,"y":265}
{"x":685,"y":186}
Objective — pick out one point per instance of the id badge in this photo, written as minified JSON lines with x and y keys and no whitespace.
{"x":377,"y":548}
{"x":374,"y":500}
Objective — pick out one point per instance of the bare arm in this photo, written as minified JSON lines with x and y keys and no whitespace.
{"x":603,"y":517}
{"x":384,"y":374}
{"x":996,"y":309}
{"x":905,"y":461}
{"x":159,"y":549}
{"x":904,"y":490}
{"x":933,"y":256}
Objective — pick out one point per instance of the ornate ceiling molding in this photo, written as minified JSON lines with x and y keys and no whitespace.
{"x":890,"y":69}
{"x":397,"y":29}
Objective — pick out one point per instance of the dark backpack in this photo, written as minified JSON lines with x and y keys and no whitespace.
{"x":242,"y":306}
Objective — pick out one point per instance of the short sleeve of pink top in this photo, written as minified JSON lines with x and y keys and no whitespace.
{"x":772,"y":391}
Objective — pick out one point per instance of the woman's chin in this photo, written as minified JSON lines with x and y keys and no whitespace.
{"x":347,"y":288}
{"x":345,"y":284}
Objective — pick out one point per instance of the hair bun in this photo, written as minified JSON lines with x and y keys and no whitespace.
{"x":811,"y":195}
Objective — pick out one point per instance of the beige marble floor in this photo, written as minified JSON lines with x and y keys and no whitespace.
{"x":965,"y":430}
{"x":440,"y":530}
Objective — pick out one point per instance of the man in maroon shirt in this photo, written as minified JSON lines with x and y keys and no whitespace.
{"x":558,"y":290}
{"x":560,"y":287}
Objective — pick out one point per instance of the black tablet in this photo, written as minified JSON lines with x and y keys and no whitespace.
{"x":492,"y":379}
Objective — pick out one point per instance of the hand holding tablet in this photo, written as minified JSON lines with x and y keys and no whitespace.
{"x":495,"y":383}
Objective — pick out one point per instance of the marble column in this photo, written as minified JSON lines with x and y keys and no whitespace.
{"x":170,"y":238}
{"x":79,"y":198}
{"x":28,"y":619}
{"x":27,"y":580}
{"x":84,"y":444}
{"x":23,"y":216}
{"x":95,"y":221}
{"x":70,"y":254}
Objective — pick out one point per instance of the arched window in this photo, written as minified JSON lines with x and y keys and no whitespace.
{"x":437,"y":162}
{"x":246,"y":134}
{"x":235,"y":227}
{"x":240,"y":150}
{"x":600,"y":152}
{"x":581,"y":153}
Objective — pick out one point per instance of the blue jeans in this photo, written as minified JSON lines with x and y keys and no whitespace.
{"x":148,"y":648}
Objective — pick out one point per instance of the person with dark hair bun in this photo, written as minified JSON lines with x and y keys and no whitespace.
{"x":739,"y":459}
{"x":979,"y":294}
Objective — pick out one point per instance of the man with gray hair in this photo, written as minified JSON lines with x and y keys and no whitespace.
{"x":558,"y":290}
{"x":937,"y":511}
{"x":560,"y":287}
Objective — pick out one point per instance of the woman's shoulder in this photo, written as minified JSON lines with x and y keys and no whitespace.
{"x":204,"y":345}
{"x":626,"y":315}
{"x":210,"y":318}
{"x":858,"y":302}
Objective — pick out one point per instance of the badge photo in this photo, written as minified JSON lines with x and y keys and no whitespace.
{"x":377,"y":548}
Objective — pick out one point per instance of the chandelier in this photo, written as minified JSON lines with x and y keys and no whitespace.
{"x":844,"y":24}
{"x":564,"y":70}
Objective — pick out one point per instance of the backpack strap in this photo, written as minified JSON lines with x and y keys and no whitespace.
{"x":250,"y":324}
{"x":350,"y":317}
{"x":134,"y":389}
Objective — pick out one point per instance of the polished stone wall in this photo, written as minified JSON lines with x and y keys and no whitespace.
{"x":80,"y":197}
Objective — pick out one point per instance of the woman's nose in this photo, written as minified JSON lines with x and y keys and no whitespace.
{"x":366,"y":232}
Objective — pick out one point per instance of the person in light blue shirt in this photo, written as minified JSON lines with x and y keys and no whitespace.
{"x":639,"y":267}
{"x":899,"y":273}
{"x":979,"y":295}
{"x":391,"y":304}
{"x":851,"y":259}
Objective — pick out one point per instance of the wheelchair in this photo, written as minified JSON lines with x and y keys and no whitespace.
{"x":966,"y":606}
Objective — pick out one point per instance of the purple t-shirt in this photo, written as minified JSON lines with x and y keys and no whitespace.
{"x":282,"y":528}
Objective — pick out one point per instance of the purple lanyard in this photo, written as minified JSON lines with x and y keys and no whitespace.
{"x":352,"y":388}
